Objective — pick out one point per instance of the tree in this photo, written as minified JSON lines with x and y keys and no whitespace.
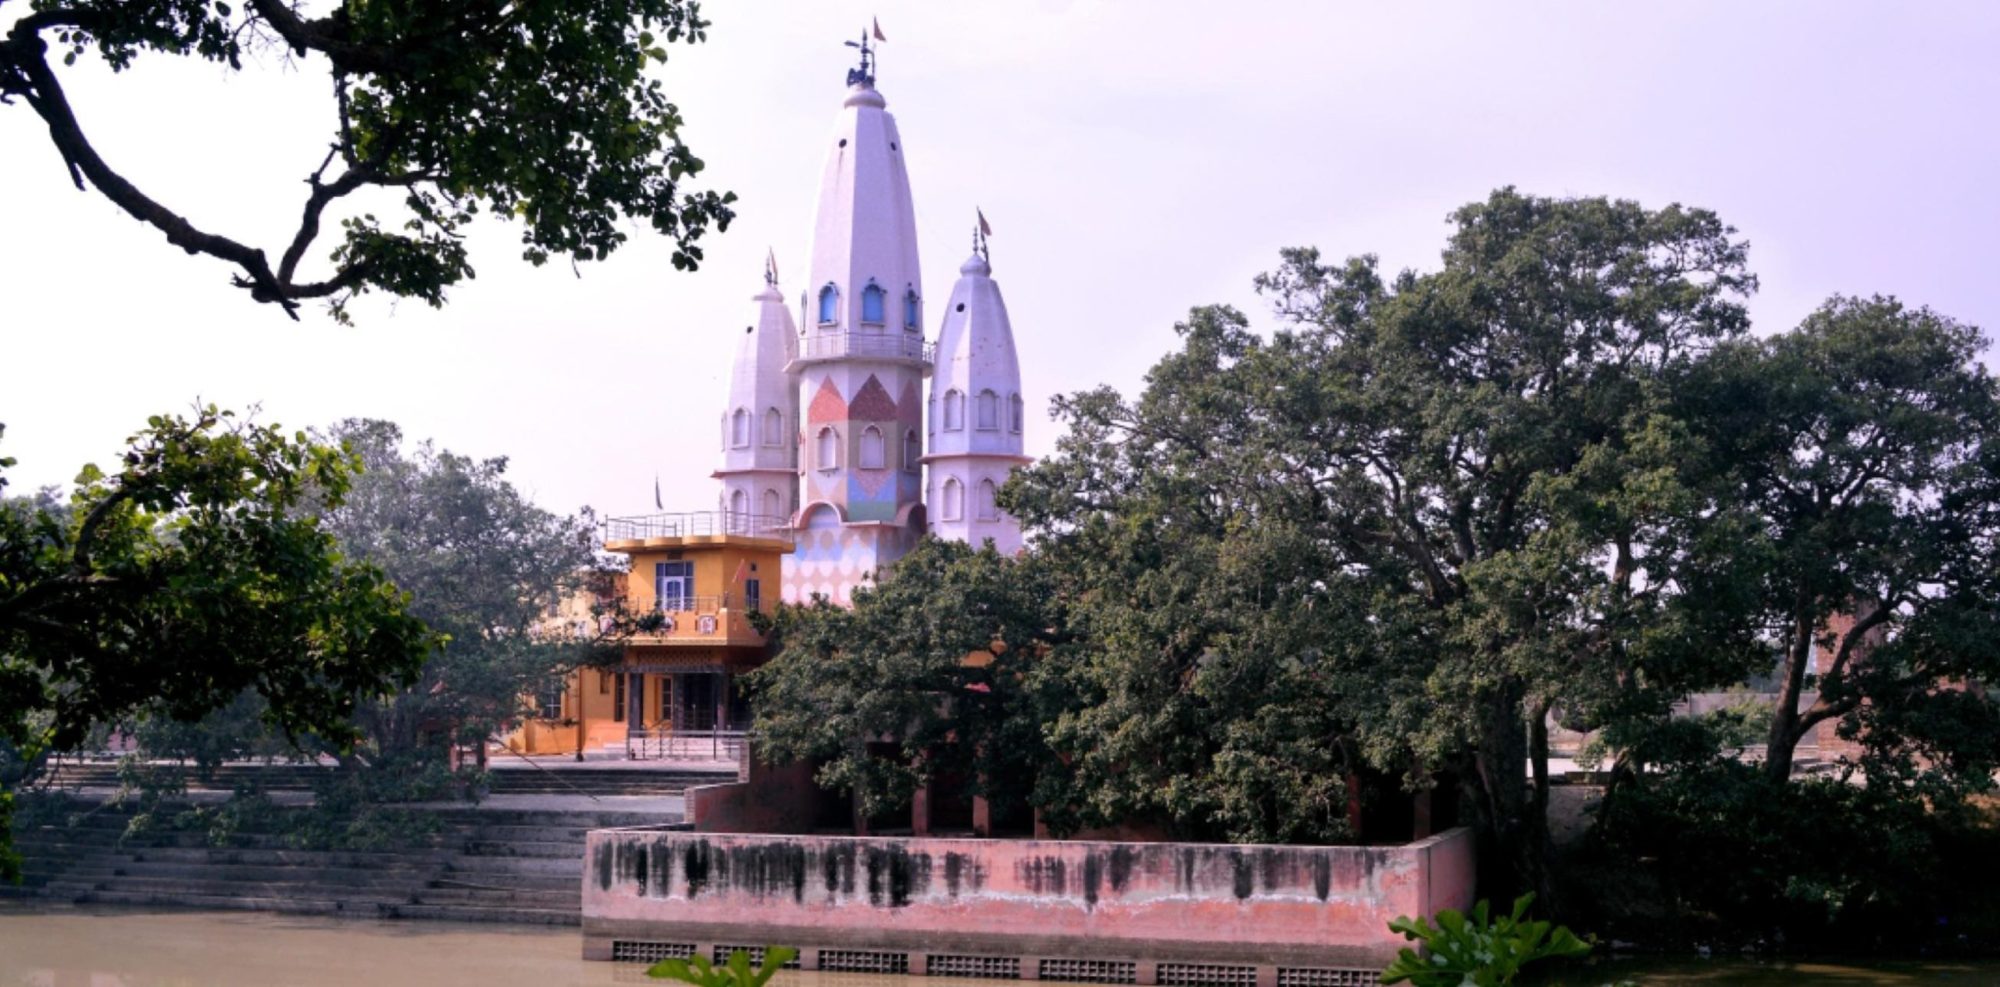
{"x":1453,"y":501}
{"x":894,"y":670}
{"x":1868,"y":443}
{"x":483,"y":565}
{"x":192,"y":575}
{"x":539,"y":111}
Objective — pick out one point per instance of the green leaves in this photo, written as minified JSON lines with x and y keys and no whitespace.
{"x":735,"y":972}
{"x":1477,"y":950}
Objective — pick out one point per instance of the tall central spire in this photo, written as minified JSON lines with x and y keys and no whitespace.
{"x":861,"y":358}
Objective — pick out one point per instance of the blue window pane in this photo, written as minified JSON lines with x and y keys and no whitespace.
{"x":910,"y":310}
{"x":827,"y":297}
{"x":871,"y":303}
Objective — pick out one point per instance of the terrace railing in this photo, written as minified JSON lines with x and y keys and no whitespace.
{"x":887,"y":344}
{"x":696,"y":523}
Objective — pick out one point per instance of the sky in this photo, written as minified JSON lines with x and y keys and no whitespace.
{"x":1135,"y":158}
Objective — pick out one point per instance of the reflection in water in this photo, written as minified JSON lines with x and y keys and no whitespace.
{"x":106,"y":948}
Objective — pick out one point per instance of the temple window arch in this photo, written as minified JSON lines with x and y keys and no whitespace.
{"x":954,"y":499}
{"x":829,"y":305}
{"x":872,"y":448}
{"x":1016,"y":412}
{"x":912,"y":310}
{"x":913,"y":452}
{"x":873,"y":300}
{"x":774,"y":506}
{"x":828,"y":449}
{"x":954,"y":410}
{"x":988,"y":503}
{"x":988,"y":409}
{"x":739,"y":503}
{"x":774,"y":427}
{"x":739,"y":428}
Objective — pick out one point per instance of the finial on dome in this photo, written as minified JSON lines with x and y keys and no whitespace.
{"x":865,"y":74}
{"x":980,"y":232}
{"x":770,"y":267}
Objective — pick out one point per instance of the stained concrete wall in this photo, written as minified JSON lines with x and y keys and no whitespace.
{"x":1268,"y":907}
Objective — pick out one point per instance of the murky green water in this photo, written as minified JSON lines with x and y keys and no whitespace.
{"x":84,"y":948}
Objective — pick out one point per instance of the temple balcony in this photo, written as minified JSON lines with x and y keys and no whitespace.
{"x":653,"y":531}
{"x":892,"y":345}
{"x":696,"y":620}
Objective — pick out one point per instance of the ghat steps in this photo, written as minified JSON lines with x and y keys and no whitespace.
{"x":484,"y":865}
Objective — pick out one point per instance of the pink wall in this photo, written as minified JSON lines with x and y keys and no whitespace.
{"x":1262,"y":906}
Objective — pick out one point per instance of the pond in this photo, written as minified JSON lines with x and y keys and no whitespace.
{"x":46,"y":947}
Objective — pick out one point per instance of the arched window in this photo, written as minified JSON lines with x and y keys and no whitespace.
{"x":774,"y":427}
{"x":913,"y":453}
{"x":739,"y":503}
{"x":954,"y":411}
{"x":723,"y":430}
{"x":774,"y":507}
{"x":954,"y":499}
{"x":872,"y":451}
{"x":829,"y":305}
{"x":739,"y":428}
{"x":989,"y":411}
{"x":1015,"y":413}
{"x":872,"y":298}
{"x":989,"y":501}
{"x":912,"y":317}
{"x":829,"y":449}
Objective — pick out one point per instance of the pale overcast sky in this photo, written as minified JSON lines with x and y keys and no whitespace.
{"x":1135,"y":157}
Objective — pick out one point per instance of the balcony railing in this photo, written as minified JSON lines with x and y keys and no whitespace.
{"x":888,"y":344}
{"x":696,"y":523}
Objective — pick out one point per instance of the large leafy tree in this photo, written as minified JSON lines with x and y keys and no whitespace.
{"x":483,"y":565}
{"x":537,"y":110}
{"x":1432,"y":510}
{"x":930,"y":663}
{"x":1867,"y":443}
{"x":189,"y":576}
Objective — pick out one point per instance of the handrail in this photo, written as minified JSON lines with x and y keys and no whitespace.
{"x":695,"y":523}
{"x":894,"y":345}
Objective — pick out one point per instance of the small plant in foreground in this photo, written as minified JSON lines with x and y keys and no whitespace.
{"x":1475,"y":950}
{"x":734,"y":972}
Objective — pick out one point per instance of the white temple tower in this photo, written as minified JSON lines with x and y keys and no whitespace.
{"x":861,"y":360}
{"x":977,"y":415}
{"x":760,"y":425}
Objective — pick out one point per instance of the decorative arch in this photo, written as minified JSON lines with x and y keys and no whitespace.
{"x":774,"y":427}
{"x":954,"y":411}
{"x":829,"y":305}
{"x":912,"y":310}
{"x":987,"y":503}
{"x":913,"y":451}
{"x":774,"y":505}
{"x":739,"y":428}
{"x":739,"y":503}
{"x":873,"y":300}
{"x":827,"y":449}
{"x":1016,"y":412}
{"x":873,"y":449}
{"x":987,"y":410}
{"x":953,"y":508}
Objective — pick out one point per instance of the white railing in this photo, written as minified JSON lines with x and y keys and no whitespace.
{"x":684,"y":745}
{"x":696,"y":523}
{"x":892,"y":345}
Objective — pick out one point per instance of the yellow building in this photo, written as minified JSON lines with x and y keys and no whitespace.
{"x":693,"y":581}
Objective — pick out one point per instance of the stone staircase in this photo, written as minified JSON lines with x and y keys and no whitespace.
{"x":486,"y":865}
{"x":563,"y":778}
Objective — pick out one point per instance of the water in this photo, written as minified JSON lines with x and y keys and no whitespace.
{"x":103,"y":948}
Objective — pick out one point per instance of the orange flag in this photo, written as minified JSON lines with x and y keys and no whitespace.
{"x":984,"y":229}
{"x":878,"y":29}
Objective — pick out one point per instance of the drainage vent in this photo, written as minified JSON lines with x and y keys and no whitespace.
{"x":981,"y":967}
{"x":858,"y":961}
{"x":1091,"y":971}
{"x":1291,"y":977}
{"x":721,"y":955}
{"x":627,"y":951}
{"x":1208,"y":975}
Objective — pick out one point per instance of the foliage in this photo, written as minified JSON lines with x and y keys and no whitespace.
{"x":189,"y":576}
{"x":1477,"y":950}
{"x":484,"y":566}
{"x":894,"y":667}
{"x":543,"y":112}
{"x":735,"y":972}
{"x":1418,"y":517}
